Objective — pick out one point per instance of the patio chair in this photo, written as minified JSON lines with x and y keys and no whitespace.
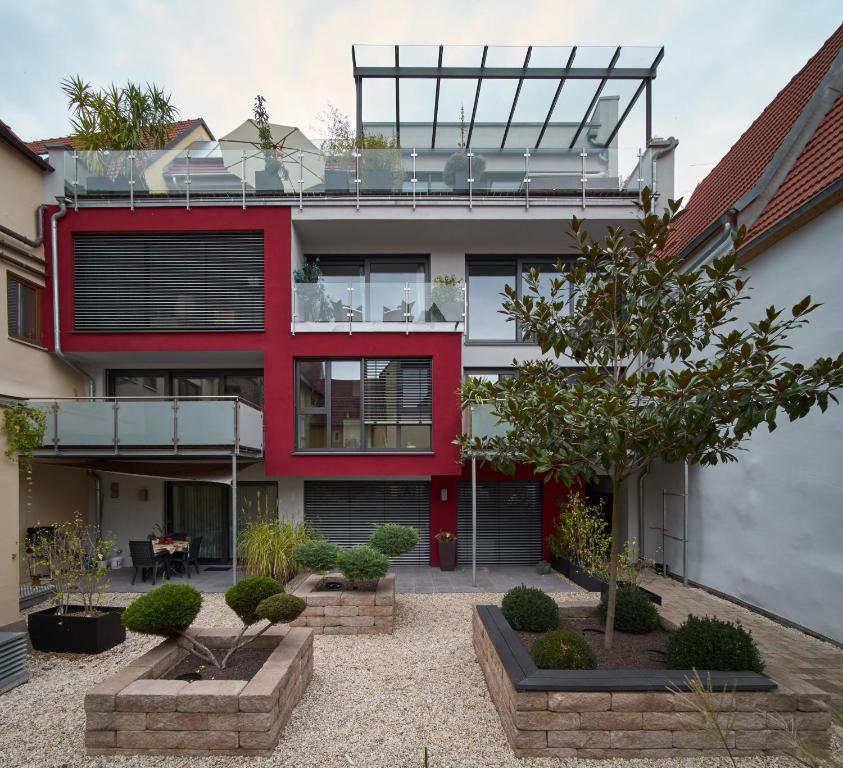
{"x":191,"y":557}
{"x":145,"y":559}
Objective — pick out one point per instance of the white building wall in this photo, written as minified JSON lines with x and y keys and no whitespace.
{"x":767,"y":529}
{"x":130,"y":516}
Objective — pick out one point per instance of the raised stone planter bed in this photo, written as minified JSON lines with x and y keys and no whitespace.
{"x":633,"y":713}
{"x":136,"y":712}
{"x":347,"y":611}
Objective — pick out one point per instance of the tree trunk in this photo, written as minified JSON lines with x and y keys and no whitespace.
{"x":613,"y":562}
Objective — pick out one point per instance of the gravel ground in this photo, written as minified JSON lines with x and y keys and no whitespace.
{"x":374,"y":702}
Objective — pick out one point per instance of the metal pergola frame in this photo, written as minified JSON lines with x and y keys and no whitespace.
{"x":562,"y":73}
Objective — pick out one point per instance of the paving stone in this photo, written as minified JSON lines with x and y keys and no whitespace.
{"x":210,"y":696}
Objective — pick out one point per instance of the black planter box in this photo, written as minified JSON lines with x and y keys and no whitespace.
{"x":587,"y":581}
{"x":447,"y":555}
{"x":74,"y":633}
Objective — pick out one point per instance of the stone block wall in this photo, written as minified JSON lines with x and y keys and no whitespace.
{"x":648,"y":724}
{"x":135,"y":712}
{"x":347,"y":612}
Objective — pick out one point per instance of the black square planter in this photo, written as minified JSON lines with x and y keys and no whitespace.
{"x":74,"y":633}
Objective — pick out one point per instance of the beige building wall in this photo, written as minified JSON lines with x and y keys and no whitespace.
{"x":27,"y":370}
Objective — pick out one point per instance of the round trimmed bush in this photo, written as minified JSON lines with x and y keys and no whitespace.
{"x":245,"y":596}
{"x":704,"y":643}
{"x":280,"y":609}
{"x":362,"y":563}
{"x":634,"y":611}
{"x":561,"y":649}
{"x":168,"y":610}
{"x":394,"y":540}
{"x":317,"y":555}
{"x":530,"y":610}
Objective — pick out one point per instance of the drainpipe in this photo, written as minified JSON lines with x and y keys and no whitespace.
{"x":39,"y":230}
{"x":54,"y":236}
{"x":641,"y":478}
{"x":97,"y":478}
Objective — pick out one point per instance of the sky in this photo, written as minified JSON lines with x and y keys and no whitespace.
{"x":724,"y":61}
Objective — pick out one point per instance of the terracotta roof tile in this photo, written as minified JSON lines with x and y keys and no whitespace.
{"x":176,"y":131}
{"x":745,"y":162}
{"x":818,"y":167}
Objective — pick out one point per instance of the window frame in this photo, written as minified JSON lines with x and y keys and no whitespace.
{"x":171,"y":374}
{"x":326,"y":409}
{"x":520,"y":262}
{"x":23,"y":283}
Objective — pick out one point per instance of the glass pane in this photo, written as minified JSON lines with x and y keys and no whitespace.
{"x":195,"y":386}
{"x":381,"y":437}
{"x":345,"y":404}
{"x":312,"y":430}
{"x":86,"y":422}
{"x":140,"y":386}
{"x":311,"y":384}
{"x":256,"y":502}
{"x":142,"y":422}
{"x":337,"y":298}
{"x":485,"y":286}
{"x":415,"y":437}
{"x":206,"y":422}
{"x":388,"y":298}
{"x":200,"y":511}
{"x":248,"y":387}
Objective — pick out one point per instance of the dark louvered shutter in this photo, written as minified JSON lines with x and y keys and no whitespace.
{"x":345,"y":512}
{"x":163,"y":281}
{"x":397,"y":391}
{"x":509,"y":523}
{"x":12,"y":307}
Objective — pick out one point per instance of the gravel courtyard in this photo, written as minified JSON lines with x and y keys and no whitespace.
{"x":374,"y":702}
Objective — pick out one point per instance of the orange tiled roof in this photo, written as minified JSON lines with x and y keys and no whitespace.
{"x":742,"y":166}
{"x":175,"y":132}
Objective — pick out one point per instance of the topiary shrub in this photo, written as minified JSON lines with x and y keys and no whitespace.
{"x":362,"y":563}
{"x":530,"y":610}
{"x":634,"y":611}
{"x":243,"y":598}
{"x":167,"y":611}
{"x":280,"y":608}
{"x":394,"y":540}
{"x":704,"y":643}
{"x":561,"y":649}
{"x":317,"y":555}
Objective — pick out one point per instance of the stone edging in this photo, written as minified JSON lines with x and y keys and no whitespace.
{"x":347,"y":612}
{"x":626,"y":713}
{"x":135,"y":712}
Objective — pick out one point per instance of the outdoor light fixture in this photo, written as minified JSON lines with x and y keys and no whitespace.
{"x":443,"y":494}
{"x":115,"y":490}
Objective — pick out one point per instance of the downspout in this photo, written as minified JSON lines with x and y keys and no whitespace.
{"x":39,"y":230}
{"x":641,"y":478}
{"x":97,"y":497}
{"x":54,"y":257}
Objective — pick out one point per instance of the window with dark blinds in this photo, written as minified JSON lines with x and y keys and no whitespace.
{"x":168,"y":281}
{"x":23,"y":310}
{"x":397,"y":392}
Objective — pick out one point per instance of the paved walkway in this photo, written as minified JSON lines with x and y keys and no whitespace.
{"x":204,"y":581}
{"x":785,"y":650}
{"x":424,"y":580}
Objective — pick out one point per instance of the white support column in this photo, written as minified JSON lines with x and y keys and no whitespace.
{"x":473,"y":520}
{"x":234,"y":517}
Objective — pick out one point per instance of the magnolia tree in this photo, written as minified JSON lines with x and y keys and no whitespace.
{"x":665,"y":370}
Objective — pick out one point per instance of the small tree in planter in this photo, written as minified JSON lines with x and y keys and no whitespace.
{"x":624,"y":305}
{"x":271,"y":177}
{"x":170,"y":609}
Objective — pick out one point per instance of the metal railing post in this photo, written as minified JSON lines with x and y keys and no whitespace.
{"x":469,"y":155}
{"x":301,"y":179}
{"x":294,"y":302}
{"x":187,"y":181}
{"x":350,"y":308}
{"x":406,"y":309}
{"x":357,"y":179}
{"x":75,"y":181}
{"x":640,"y":175}
{"x":464,"y":307}
{"x":175,"y":425}
{"x":243,"y":174}
{"x":56,"y":426}
{"x":583,"y":179}
{"x":414,"y":155}
{"x":527,"y":177}
{"x":132,"y":180}
{"x":116,"y":408}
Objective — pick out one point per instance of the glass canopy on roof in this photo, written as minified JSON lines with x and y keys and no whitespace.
{"x":551,"y":97}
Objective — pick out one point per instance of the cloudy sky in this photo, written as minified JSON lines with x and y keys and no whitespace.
{"x":724,"y":59}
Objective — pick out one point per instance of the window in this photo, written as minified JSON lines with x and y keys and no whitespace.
{"x":487,"y":279}
{"x":490,"y":374}
{"x":364,"y":405}
{"x":246,"y":384}
{"x":23,"y":306}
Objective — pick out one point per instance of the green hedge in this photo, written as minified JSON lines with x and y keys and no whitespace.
{"x":561,"y":649}
{"x":245,"y":596}
{"x":634,"y":611}
{"x":530,"y":610}
{"x":168,"y":610}
{"x":362,"y":563}
{"x":704,"y":643}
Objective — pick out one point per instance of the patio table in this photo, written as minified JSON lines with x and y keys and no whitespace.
{"x":170,"y":549}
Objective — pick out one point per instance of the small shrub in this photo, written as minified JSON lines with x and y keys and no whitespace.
{"x":362,"y":563}
{"x":530,"y":610}
{"x":265,"y":547}
{"x":704,"y":643}
{"x":245,"y":596}
{"x":281,"y":608}
{"x":394,"y":540}
{"x":561,"y":649}
{"x":634,"y":611}
{"x":317,"y":555}
{"x":168,"y":610}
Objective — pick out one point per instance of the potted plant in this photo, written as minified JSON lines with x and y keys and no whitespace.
{"x":447,"y":299}
{"x":579,"y":543}
{"x":337,"y":149}
{"x":312,"y":304}
{"x":447,"y":543}
{"x":456,"y":171}
{"x":271,"y":177}
{"x":71,"y":553}
{"x":381,"y":162}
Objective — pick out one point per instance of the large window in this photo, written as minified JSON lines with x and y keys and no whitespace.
{"x":487,"y":279}
{"x":23,"y":307}
{"x":364,"y":405}
{"x":247,"y":384}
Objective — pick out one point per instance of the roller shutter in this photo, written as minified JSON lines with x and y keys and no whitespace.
{"x":346,"y":511}
{"x":509,"y":523}
{"x":168,"y":281}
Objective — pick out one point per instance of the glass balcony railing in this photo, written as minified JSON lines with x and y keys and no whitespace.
{"x":214,"y":169}
{"x":480,"y":421}
{"x":152,"y":425}
{"x":345,"y":303}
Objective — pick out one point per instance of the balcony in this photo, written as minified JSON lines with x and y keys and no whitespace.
{"x":480,"y":421}
{"x":354,"y":305}
{"x":151,"y":426}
